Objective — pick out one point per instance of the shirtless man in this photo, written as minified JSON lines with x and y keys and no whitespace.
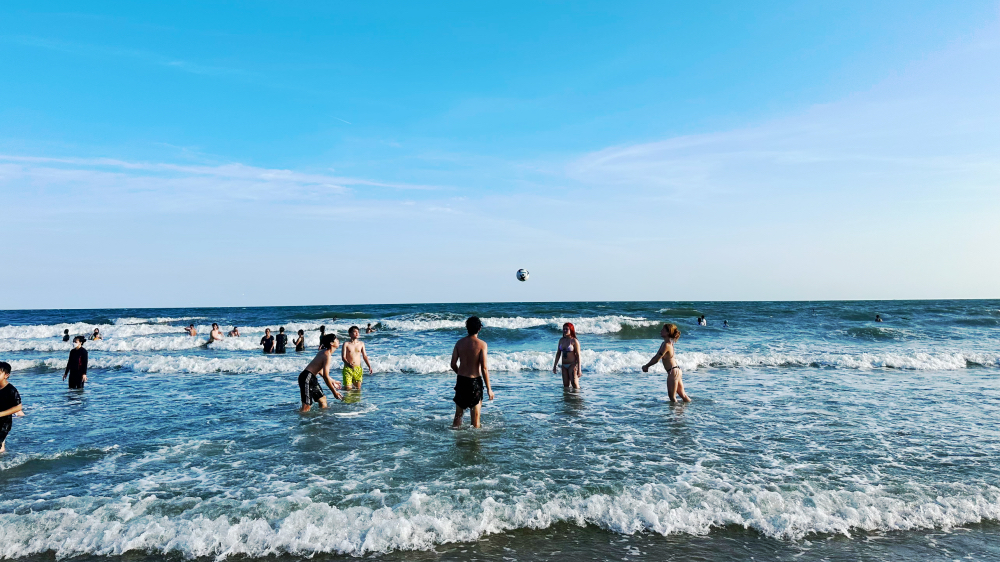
{"x":670,"y":334}
{"x":234,"y":333}
{"x":352,"y":354}
{"x":309,"y":389}
{"x":468,"y":360}
{"x":216,"y":334}
{"x":369,"y":329}
{"x":191,"y":331}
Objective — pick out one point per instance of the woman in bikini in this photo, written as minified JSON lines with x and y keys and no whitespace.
{"x":569,"y":350}
{"x":670,"y":334}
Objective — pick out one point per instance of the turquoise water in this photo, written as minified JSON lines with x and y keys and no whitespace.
{"x":815,"y":433}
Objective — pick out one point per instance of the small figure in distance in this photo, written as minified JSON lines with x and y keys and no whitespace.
{"x":702,"y":321}
{"x":569,"y":349}
{"x":234,"y":333}
{"x":878,"y":317}
{"x":468,"y":360}
{"x":281,"y":341}
{"x":215,"y":334}
{"x":10,"y":404}
{"x":369,"y":329}
{"x":76,"y":367}
{"x":267,"y":341}
{"x":351,"y":354}
{"x":309,"y":389}
{"x":191,"y":330}
{"x":322,"y":332}
{"x":66,"y":335}
{"x":725,"y":323}
{"x":300,"y":342}
{"x":670,"y":334}
{"x":96,"y":335}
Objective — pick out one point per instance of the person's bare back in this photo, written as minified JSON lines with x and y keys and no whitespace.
{"x":469,"y":357}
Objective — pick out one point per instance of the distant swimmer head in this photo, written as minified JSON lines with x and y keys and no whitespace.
{"x":322,"y":330}
{"x":281,"y":330}
{"x":97,"y":330}
{"x":569,"y":329}
{"x":267,"y":331}
{"x":671,"y":331}
{"x":473,"y":325}
{"x":302,"y":332}
{"x":66,"y":331}
{"x":215,"y":326}
{"x":328,"y":341}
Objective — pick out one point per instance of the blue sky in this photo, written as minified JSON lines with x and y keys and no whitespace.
{"x":237,"y":154}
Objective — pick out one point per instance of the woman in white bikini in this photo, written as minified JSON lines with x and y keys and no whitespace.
{"x":670,"y":334}
{"x":569,"y":350}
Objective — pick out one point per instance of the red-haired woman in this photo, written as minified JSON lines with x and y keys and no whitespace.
{"x":569,"y":350}
{"x":670,"y":334}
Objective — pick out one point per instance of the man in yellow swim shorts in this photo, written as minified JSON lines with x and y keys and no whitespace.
{"x":352,"y":353}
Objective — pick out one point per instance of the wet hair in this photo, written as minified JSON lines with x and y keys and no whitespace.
{"x":267,"y":329}
{"x":327,"y":339}
{"x":473,"y":325}
{"x":97,"y":330}
{"x":354,"y":328}
{"x":572,"y":329}
{"x":673,"y":332}
{"x":4,"y":367}
{"x":301,"y":332}
{"x":80,"y":339}
{"x":322,"y":329}
{"x":214,"y":325}
{"x":281,"y":329}
{"x":66,"y":331}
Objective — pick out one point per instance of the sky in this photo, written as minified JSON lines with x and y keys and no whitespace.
{"x":305,"y":153}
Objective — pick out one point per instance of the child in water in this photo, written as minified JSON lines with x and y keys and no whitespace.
{"x":670,"y":334}
{"x":10,"y":404}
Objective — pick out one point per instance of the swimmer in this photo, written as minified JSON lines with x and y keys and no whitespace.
{"x":309,"y":389}
{"x":65,"y":335}
{"x":281,"y":341}
{"x":300,"y":342}
{"x":215,"y":335}
{"x":96,"y":335}
{"x":369,"y":329}
{"x":569,"y":349}
{"x":10,"y":405}
{"x":725,"y":323}
{"x":191,"y":330}
{"x":878,"y":317}
{"x":322,"y":332}
{"x":675,"y":385}
{"x":234,"y":333}
{"x":267,"y":341}
{"x":76,"y":367}
{"x":468,"y":360}
{"x":351,"y":354}
{"x":702,"y":321}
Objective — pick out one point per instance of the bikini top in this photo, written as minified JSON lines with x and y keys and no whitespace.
{"x":568,"y":347}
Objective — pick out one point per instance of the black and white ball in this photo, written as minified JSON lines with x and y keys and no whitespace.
{"x":522,"y":274}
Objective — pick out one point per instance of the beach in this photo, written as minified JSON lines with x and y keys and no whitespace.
{"x":815,"y":433}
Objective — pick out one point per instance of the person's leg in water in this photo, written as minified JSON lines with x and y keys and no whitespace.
{"x":675,"y":386}
{"x":459,"y":412}
{"x":680,"y":387}
{"x":570,"y":378}
{"x":475,"y":414}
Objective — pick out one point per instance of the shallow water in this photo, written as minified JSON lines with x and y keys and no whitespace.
{"x":814,"y":433}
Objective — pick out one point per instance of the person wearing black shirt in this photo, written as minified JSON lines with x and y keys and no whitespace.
{"x":281,"y":342}
{"x":267,"y":341}
{"x":10,"y":404}
{"x":65,"y":335}
{"x":76,"y":367}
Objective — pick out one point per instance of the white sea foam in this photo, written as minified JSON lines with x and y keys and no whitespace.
{"x":584,"y":325}
{"x":107,"y":330}
{"x":597,"y":362}
{"x":302,"y":527}
{"x":159,"y":320}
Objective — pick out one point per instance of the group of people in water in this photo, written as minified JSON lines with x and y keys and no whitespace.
{"x":468,"y":361}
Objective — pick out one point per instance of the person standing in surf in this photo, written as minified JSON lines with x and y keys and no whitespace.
{"x":96,"y":335}
{"x":10,"y":404}
{"x":234,"y":333}
{"x":191,"y":330}
{"x":300,"y":342}
{"x":281,"y":341}
{"x":76,"y":367}
{"x":468,"y":360}
{"x":268,"y":341}
{"x":568,"y":349}
{"x":215,"y":334}
{"x":352,"y":354}
{"x":322,"y":332}
{"x":66,"y":335}
{"x":309,"y":389}
{"x":670,"y":334}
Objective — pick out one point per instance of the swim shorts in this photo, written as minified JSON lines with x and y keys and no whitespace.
{"x":468,"y":392}
{"x":309,"y":388}
{"x":352,"y":374}
{"x":75,"y":380}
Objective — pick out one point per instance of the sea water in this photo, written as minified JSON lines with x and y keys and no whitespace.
{"x":814,"y":433}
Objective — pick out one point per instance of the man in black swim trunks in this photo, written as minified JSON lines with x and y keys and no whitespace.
{"x":309,"y":389}
{"x":468,"y":360}
{"x":10,"y":404}
{"x":76,"y":367}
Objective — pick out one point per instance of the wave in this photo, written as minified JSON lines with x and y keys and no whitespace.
{"x":53,"y":331}
{"x":874,"y":333}
{"x":299,"y":526}
{"x":128,"y":320}
{"x":594,"y":362}
{"x":587,"y":325}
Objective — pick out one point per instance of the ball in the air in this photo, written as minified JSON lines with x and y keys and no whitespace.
{"x":522,"y":274}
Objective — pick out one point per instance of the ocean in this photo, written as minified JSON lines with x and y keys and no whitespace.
{"x":815,"y":433}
